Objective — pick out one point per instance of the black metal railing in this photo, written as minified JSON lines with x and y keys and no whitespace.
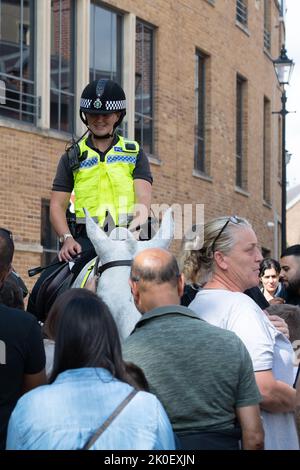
{"x":18,"y":100}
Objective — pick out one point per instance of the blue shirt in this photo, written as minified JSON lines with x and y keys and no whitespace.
{"x":66,"y":413}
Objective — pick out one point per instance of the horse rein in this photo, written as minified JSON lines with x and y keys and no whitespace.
{"x":112,"y":264}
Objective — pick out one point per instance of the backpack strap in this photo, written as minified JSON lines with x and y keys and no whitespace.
{"x":109,"y":420}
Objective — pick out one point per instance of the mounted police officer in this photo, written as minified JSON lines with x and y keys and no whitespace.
{"x":106,"y":171}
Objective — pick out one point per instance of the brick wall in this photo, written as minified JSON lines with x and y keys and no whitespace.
{"x":29,"y":158}
{"x":28,"y":162}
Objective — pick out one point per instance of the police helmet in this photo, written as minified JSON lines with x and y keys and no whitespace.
{"x":103,"y":97}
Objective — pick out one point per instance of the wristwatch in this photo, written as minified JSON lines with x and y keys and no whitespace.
{"x":63,"y":238}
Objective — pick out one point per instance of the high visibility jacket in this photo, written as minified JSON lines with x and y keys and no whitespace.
{"x":108,"y":185}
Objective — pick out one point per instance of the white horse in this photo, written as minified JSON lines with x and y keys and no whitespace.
{"x":115,"y":253}
{"x":113,"y":285}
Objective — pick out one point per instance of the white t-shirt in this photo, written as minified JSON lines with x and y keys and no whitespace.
{"x":268,"y":348}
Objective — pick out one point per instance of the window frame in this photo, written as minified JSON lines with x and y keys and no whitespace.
{"x":241,"y":133}
{"x":28,"y":103}
{"x":59,"y":91}
{"x":94,"y":73}
{"x":200,"y":158}
{"x":267,"y":25}
{"x":141,"y":115}
{"x":241,"y":12}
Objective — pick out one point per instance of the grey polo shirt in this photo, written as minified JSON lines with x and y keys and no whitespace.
{"x":199,"y":372}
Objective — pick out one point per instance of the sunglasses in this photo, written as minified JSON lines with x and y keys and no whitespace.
{"x":234,"y":220}
{"x":8,"y":233}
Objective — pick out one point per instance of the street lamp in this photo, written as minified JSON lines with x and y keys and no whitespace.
{"x":288,"y":156}
{"x":283,"y":68}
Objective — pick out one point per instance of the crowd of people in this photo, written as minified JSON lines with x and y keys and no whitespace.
{"x":209,"y":365}
{"x":217,"y":374}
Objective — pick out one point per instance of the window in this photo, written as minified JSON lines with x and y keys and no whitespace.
{"x":267,"y":25}
{"x":242,"y":12}
{"x":105,"y":43}
{"x":241,"y":121}
{"x":267,"y":152}
{"x":144,"y":77}
{"x":49,"y":239}
{"x":199,"y":152}
{"x":62,"y":65}
{"x":282,"y":7}
{"x":17,"y":59}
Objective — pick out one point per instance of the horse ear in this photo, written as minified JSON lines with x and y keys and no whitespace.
{"x":165,"y":234}
{"x":93,"y":230}
{"x":108,"y":224}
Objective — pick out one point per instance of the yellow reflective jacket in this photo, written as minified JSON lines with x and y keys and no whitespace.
{"x":108,"y":185}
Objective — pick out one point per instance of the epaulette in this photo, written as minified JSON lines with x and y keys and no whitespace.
{"x":130,"y":146}
{"x":75,"y":157}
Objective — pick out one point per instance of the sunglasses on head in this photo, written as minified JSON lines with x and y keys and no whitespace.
{"x":8,"y":233}
{"x":234,"y":220}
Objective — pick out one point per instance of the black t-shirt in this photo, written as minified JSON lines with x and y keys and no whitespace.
{"x":64,"y":179}
{"x":256,"y":294}
{"x":290,"y":296}
{"x":21,"y":352}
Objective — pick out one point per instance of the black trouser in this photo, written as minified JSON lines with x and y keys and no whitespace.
{"x":208,"y":441}
{"x":88,"y":253}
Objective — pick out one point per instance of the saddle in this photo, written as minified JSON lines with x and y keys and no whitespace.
{"x":52,"y":286}
{"x":60,"y":278}
{"x":55,"y":283}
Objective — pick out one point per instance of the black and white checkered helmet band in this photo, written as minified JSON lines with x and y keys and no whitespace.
{"x":109,"y":105}
{"x":85,"y":103}
{"x":115,"y":105}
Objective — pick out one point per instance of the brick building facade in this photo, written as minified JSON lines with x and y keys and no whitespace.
{"x":205,"y":105}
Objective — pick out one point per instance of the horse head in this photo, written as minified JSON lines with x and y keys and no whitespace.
{"x":121,"y":246}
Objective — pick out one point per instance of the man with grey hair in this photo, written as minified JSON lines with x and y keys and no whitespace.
{"x":22,"y":355}
{"x":202,"y":374}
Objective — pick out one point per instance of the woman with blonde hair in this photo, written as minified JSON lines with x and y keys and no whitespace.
{"x":227,"y":264}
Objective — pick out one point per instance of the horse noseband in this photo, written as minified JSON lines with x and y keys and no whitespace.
{"x":112,"y":264}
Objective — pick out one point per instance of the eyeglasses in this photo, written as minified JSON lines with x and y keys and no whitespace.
{"x":8,"y":233}
{"x":233,"y":219}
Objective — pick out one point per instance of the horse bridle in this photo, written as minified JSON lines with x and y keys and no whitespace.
{"x":111,"y":264}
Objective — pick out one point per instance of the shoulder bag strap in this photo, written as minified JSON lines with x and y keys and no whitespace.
{"x":109,"y":420}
